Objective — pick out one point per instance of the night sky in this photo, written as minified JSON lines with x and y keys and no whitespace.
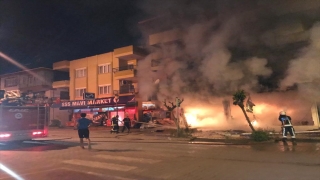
{"x":37,"y":33}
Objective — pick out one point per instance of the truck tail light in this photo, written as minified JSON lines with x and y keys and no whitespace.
{"x":37,"y":133}
{"x":5,"y":135}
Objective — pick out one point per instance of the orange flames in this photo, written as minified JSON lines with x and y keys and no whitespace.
{"x":263,"y":115}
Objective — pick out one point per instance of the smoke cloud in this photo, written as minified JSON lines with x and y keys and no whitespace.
{"x":228,"y":45}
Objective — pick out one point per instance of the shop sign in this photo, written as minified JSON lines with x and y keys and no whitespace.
{"x":86,"y":102}
{"x":94,"y":102}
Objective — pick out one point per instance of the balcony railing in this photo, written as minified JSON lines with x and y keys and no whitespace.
{"x":60,"y":84}
{"x":61,"y":65}
{"x":124,"y":89}
{"x":124,"y":68}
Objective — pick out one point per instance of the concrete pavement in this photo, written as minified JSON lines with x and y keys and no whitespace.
{"x":102,"y":134}
{"x":134,"y":159}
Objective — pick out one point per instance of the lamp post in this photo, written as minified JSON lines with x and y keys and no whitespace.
{"x":133,"y":91}
{"x":116,"y":99}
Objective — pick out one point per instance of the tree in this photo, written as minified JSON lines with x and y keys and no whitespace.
{"x":238,"y":99}
{"x":170,"y":107}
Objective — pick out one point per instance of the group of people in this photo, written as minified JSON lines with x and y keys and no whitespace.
{"x":83,"y":127}
{"x":115,"y":124}
{"x":84,"y":123}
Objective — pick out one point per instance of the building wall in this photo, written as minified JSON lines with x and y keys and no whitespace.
{"x":39,"y":79}
{"x":115,"y":83}
{"x":93,"y":79}
{"x":2,"y":83}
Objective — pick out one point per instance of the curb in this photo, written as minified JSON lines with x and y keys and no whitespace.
{"x":247,"y":141}
{"x":51,"y":139}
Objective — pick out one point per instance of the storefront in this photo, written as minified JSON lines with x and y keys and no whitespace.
{"x":101,"y":110}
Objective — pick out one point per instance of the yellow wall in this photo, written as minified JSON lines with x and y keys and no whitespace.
{"x":115,"y":83}
{"x":92,"y":81}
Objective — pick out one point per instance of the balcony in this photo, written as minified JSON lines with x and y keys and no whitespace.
{"x":61,"y":84}
{"x":129,"y":53}
{"x":126,"y":89}
{"x":61,"y":66}
{"x":164,"y":37}
{"x":125,"y":72}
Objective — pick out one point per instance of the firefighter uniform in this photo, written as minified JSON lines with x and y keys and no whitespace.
{"x":127,"y":124}
{"x":287,"y":126}
{"x":115,"y":124}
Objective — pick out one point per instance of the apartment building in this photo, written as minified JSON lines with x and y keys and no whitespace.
{"x":39,"y":79}
{"x":36,"y":84}
{"x":110,"y":77}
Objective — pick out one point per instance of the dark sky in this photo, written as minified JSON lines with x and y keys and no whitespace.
{"x":37,"y":33}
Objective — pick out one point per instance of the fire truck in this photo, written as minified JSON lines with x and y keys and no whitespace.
{"x":20,"y":120}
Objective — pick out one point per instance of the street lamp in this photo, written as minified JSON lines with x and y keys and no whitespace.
{"x":116,"y":98}
{"x":133,"y":92}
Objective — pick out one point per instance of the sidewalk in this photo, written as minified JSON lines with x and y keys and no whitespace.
{"x":102,"y":134}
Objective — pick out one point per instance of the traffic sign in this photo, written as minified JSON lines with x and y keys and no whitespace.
{"x":88,"y":95}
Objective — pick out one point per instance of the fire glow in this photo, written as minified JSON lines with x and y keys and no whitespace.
{"x":263,"y":115}
{"x":200,"y":117}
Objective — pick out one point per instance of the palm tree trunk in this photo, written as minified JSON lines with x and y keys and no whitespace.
{"x":247,"y":118}
{"x":175,"y":120}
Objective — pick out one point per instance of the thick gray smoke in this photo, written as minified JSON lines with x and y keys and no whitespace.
{"x":228,"y":45}
{"x":304,"y":70}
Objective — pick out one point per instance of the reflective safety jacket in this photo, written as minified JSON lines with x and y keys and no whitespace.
{"x":285,"y":120}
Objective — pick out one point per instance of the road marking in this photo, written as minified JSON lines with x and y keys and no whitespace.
{"x":33,"y":142}
{"x":95,"y":164}
{"x":98,"y":174}
{"x":128,"y":159}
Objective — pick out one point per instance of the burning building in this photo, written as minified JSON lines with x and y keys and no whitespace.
{"x":205,"y":50}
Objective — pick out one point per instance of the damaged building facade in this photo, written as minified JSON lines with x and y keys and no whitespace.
{"x":206,"y":50}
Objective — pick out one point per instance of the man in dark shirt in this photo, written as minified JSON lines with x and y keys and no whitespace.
{"x":286,"y":127}
{"x":83,"y":129}
{"x":127,"y":124}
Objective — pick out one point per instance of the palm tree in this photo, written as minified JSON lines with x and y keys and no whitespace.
{"x":238,"y":99}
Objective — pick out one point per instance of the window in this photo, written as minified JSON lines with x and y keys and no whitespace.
{"x":81,"y":72}
{"x":106,"y":89}
{"x":130,"y":66}
{"x":105,"y":68}
{"x":80,"y":91}
{"x":10,"y":82}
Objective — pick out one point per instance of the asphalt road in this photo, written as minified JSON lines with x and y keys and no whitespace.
{"x":137,"y":157}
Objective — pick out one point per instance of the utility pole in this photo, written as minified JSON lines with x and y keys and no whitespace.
{"x":116,"y":99}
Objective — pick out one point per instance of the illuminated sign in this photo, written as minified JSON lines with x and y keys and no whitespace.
{"x":87,"y":102}
{"x":93,"y":102}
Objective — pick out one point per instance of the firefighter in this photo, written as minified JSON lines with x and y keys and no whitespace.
{"x":286,"y":127}
{"x":115,"y":124}
{"x":127,"y":124}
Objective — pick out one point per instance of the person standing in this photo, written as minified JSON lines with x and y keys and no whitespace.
{"x":287,"y":127}
{"x":83,"y":129}
{"x":127,"y":124}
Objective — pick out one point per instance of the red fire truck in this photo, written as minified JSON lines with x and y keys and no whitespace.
{"x":18,"y":123}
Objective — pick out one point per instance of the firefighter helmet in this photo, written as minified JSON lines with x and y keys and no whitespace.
{"x":282,"y":113}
